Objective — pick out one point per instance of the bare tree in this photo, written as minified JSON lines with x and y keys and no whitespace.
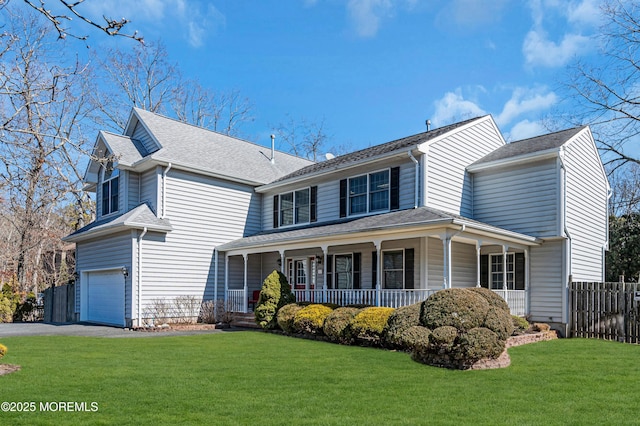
{"x":303,"y":138}
{"x":144,"y":77}
{"x":112,"y":27}
{"x":42,"y":108}
{"x":609,"y":92}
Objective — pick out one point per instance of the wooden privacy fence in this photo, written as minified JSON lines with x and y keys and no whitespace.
{"x":605,"y":311}
{"x":59,"y":303}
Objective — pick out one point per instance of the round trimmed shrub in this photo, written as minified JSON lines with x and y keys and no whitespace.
{"x":399,"y":321}
{"x":275,"y":293}
{"x":3,"y":350}
{"x":310,"y":319}
{"x":491,"y":297}
{"x":500,"y":322}
{"x":443,"y":338}
{"x":414,"y":337}
{"x":337,"y":325}
{"x":367,"y":326}
{"x":456,"y":307}
{"x":286,"y":315}
{"x":479,"y":343}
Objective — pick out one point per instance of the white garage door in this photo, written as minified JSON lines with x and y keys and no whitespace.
{"x":105,"y":297}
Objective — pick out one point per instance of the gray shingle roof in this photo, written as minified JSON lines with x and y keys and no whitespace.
{"x":199,"y":148}
{"x":128,"y":151}
{"x":398,"y":219}
{"x":374,"y":151}
{"x":530,"y":146}
{"x":137,"y":218}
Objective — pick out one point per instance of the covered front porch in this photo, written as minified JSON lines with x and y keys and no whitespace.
{"x":382,"y":265}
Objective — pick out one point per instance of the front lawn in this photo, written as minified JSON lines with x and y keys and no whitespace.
{"x":258,"y":378}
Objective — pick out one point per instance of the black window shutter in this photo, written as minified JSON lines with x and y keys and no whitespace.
{"x":275,"y":211}
{"x":374,"y":269}
{"x":343,"y":198}
{"x":519,"y":271}
{"x":329,"y":272}
{"x":484,"y":270}
{"x":395,"y":188}
{"x":313,"y":203}
{"x":357,"y":261}
{"x":408,"y":269}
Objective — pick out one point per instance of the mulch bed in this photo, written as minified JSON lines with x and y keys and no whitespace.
{"x":8,"y":368}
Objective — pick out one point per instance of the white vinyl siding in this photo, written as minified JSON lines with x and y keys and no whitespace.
{"x":141,"y":135}
{"x":463,"y":264}
{"x":204,"y":212}
{"x":103,"y":253}
{"x":586,"y":215}
{"x":547,"y":283}
{"x":133,"y":190}
{"x":149,"y":190}
{"x":522,"y":198}
{"x":448,"y":183}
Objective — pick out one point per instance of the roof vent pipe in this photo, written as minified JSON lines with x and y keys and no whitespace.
{"x":428,"y":123}
{"x":273,"y":149}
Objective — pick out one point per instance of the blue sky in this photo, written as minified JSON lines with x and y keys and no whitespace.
{"x":374,"y":70}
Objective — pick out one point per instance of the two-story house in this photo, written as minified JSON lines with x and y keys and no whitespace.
{"x":198,"y":213}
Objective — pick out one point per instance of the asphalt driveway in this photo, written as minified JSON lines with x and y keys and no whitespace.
{"x":75,"y":329}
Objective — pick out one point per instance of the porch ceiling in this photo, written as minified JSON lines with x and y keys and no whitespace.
{"x":412,"y":223}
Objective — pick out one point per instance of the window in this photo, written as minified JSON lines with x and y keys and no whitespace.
{"x":343,"y":271}
{"x":497,"y":276}
{"x":297,"y":273}
{"x":294,"y":207}
{"x":110,"y":189}
{"x":393,"y":269}
{"x":369,"y":193}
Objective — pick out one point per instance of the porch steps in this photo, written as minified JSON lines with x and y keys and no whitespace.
{"x":244,"y":320}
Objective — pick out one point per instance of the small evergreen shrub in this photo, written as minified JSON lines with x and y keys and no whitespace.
{"x":286,"y":316}
{"x":479,"y":343}
{"x":520,"y":324}
{"x":491,"y":297}
{"x":414,"y":337}
{"x":275,"y":293}
{"x":399,"y":321}
{"x":310,"y":319}
{"x":457,"y":307}
{"x":6,"y":309}
{"x":367,"y":326}
{"x":3,"y":350}
{"x":337,"y":325}
{"x":500,"y":322}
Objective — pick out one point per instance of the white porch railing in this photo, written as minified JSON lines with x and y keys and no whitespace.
{"x":235,"y":300}
{"x":516,"y":299}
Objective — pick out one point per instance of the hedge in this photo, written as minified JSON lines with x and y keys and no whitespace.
{"x":286,"y":315}
{"x":367,"y":326}
{"x":399,"y":321}
{"x":274,"y":295}
{"x":310,"y":319}
{"x":337,"y":325}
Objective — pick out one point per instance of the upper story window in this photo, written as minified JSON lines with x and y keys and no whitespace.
{"x":295,"y":207}
{"x":369,"y":193}
{"x":110,"y":189}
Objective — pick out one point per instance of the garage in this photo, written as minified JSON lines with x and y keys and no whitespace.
{"x":105,"y":297}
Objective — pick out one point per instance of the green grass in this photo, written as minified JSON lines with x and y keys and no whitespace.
{"x":257,"y":378}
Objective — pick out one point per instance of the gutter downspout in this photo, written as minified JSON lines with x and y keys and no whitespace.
{"x":164,"y":190}
{"x":139,"y":267}
{"x":215,"y":283}
{"x":568,"y":266}
{"x":605,"y":246}
{"x":416,"y":180}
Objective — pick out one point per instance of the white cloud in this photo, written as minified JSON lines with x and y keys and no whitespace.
{"x":453,"y":107}
{"x":524,"y":101}
{"x":540,"y":51}
{"x":586,"y":12}
{"x":366,"y":15}
{"x":525,"y":129}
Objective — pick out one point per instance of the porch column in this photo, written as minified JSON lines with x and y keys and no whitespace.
{"x":446,"y":262}
{"x":378,"y":245}
{"x":478,"y":260}
{"x":282,"y":263}
{"x":245,"y":301}
{"x":526,"y":280}
{"x":325,"y":254}
{"x":226,"y":280}
{"x":504,"y":269}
